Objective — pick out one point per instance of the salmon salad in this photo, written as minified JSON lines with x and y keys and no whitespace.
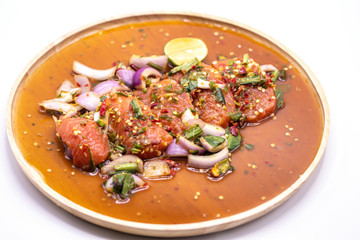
{"x":139,"y":120}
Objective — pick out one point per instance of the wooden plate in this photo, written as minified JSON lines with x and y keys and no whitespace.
{"x":164,"y":230}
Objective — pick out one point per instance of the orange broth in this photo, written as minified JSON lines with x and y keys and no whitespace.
{"x":284,"y":145}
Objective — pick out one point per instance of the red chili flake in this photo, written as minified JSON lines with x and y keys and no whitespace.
{"x":77,"y":84}
{"x":167,"y":128}
{"x":164,"y":110}
{"x":134,"y":67}
{"x":103,"y":108}
{"x":153,"y":105}
{"x":114,"y":64}
{"x":242,"y":70}
{"x":234,"y":131}
{"x":256,"y":68}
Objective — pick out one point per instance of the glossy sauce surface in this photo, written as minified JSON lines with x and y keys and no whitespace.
{"x":284,"y":145}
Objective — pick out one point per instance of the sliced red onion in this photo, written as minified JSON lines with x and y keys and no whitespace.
{"x":176,"y":150}
{"x":126,"y":75}
{"x":89,"y":100}
{"x":207,"y":161}
{"x":195,"y":121}
{"x":211,"y":129}
{"x":138,"y":181}
{"x":268,"y":68}
{"x":190,"y":146}
{"x":66,"y":108}
{"x":140,"y":76}
{"x":66,"y":86}
{"x":82,"y":82}
{"x":187,"y":115}
{"x":68,"y":152}
{"x":212,"y":149}
{"x":92,"y":73}
{"x":142,"y":62}
{"x":109,"y":86}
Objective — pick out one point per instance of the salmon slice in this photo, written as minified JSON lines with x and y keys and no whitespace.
{"x":167,"y":101}
{"x":211,"y":110}
{"x":88,"y":145}
{"x":256,"y":103}
{"x":137,"y":127}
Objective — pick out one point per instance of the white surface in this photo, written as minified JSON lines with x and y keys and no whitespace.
{"x":325,"y":34}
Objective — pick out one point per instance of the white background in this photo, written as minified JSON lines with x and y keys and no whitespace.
{"x":324,"y":34}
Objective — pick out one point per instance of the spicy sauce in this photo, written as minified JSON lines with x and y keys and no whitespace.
{"x":282,"y":147}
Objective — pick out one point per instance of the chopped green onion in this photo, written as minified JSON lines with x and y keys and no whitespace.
{"x":275,"y":75}
{"x":142,"y":130}
{"x":127,"y":167}
{"x":153,"y":65}
{"x":185,"y":67}
{"x":168,"y":88}
{"x":120,"y":148}
{"x":122,"y":94}
{"x":245,"y":59}
{"x":283,"y":73}
{"x":153,"y":97}
{"x":136,"y":148}
{"x":129,"y":184}
{"x":136,"y":108}
{"x":249,"y":146}
{"x":249,"y":80}
{"x":92,"y":163}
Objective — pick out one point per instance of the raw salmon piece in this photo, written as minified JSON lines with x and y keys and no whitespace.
{"x":88,"y":145}
{"x":257,"y":103}
{"x":167,"y":101}
{"x":141,"y":135}
{"x":212,"y":111}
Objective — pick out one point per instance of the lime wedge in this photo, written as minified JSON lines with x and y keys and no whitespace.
{"x":183,"y":50}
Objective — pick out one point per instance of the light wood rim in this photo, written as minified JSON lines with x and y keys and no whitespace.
{"x":164,"y":230}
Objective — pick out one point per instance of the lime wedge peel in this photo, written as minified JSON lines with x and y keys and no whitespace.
{"x":183,"y":50}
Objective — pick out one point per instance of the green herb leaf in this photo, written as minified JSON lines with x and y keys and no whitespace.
{"x":193,"y":132}
{"x":233,"y":142}
{"x":219,"y":96}
{"x":279,"y":99}
{"x":214,"y":141}
{"x":235,"y":116}
{"x":249,"y":146}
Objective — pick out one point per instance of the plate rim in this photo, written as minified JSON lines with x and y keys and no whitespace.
{"x":167,"y":230}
